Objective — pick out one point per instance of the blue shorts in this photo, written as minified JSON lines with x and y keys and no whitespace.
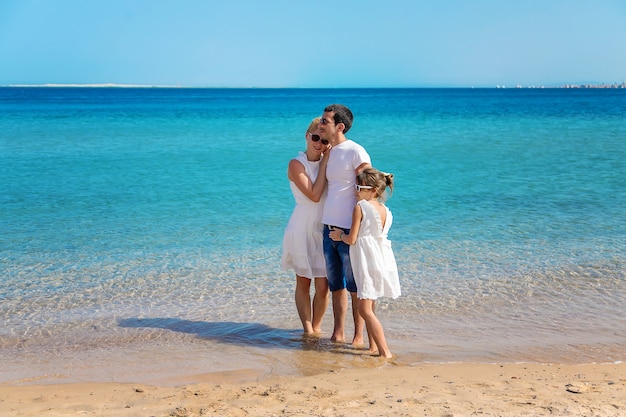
{"x":338,"y":267}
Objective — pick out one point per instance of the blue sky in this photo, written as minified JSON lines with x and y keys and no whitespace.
{"x":297,"y":43}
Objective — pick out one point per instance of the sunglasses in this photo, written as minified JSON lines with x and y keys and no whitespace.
{"x":362,"y":187}
{"x":316,"y":138}
{"x":325,"y":121}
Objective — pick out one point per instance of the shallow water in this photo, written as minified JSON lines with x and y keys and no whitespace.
{"x":141,"y":229}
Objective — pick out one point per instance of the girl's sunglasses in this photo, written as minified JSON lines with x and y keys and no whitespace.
{"x":316,"y":138}
{"x":362,"y":187}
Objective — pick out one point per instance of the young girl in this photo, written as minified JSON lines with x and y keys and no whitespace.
{"x":373,"y":261}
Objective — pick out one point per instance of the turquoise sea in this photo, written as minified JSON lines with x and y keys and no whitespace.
{"x":140,"y":229}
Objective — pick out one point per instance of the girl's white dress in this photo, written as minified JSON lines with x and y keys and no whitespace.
{"x":303,"y":249}
{"x":373,"y":262}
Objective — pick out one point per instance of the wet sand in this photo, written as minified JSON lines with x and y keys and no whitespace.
{"x":461,"y":389}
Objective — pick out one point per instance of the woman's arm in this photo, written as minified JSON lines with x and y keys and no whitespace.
{"x":312,"y":190}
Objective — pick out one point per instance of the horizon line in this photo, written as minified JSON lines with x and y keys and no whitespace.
{"x":116,"y":85}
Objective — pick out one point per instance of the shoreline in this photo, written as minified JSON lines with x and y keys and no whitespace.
{"x":252,"y":352}
{"x":423,"y":389}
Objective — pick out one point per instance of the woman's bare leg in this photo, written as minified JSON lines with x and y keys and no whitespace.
{"x":321,"y":300}
{"x":303,"y":303}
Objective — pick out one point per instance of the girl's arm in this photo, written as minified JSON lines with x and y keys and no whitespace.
{"x":350,"y":238}
{"x":312,"y":190}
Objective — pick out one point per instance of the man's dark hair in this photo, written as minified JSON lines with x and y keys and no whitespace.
{"x":342,"y":115}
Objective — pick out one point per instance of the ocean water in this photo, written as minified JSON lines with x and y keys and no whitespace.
{"x":140,"y":229}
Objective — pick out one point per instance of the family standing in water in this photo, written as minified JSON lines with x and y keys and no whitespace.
{"x":337,"y":233}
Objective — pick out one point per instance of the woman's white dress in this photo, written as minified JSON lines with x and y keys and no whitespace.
{"x":373,"y":262}
{"x":303,"y":249}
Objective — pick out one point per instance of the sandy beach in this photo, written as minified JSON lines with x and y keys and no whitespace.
{"x":389,"y":390}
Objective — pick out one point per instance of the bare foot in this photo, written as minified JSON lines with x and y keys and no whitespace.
{"x":356,"y":345}
{"x":306,"y":335}
{"x":337,"y":338}
{"x":358,"y":342}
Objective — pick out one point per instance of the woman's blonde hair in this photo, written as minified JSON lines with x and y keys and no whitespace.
{"x":313,"y":126}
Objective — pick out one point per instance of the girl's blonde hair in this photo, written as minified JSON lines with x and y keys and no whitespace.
{"x":377,"y":179}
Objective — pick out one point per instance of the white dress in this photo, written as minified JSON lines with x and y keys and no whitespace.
{"x":303,"y":249}
{"x":373,"y":262}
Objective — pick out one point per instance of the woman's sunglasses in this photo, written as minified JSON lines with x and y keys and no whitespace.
{"x":316,"y":138}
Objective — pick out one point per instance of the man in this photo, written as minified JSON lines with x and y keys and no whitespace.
{"x":347,"y":159}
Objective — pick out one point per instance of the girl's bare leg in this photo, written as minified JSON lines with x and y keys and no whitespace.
{"x":321,"y":300}
{"x":366,"y":308}
{"x":359,"y":323}
{"x":373,"y":349}
{"x":303,"y":303}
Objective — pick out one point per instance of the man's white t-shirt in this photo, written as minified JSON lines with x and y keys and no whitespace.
{"x":344,"y":159}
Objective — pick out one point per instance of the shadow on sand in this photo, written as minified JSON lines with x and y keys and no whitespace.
{"x":242,"y":334}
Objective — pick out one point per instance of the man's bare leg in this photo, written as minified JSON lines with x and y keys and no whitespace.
{"x":340,"y":311}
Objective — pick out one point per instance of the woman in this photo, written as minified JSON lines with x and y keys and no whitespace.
{"x":302,"y":242}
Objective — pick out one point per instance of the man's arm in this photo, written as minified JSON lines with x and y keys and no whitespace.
{"x":361,"y":167}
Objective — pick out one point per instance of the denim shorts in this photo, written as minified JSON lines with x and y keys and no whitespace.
{"x":338,"y":267}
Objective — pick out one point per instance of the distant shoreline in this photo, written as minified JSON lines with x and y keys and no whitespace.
{"x":107,"y":85}
{"x":113,"y":85}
